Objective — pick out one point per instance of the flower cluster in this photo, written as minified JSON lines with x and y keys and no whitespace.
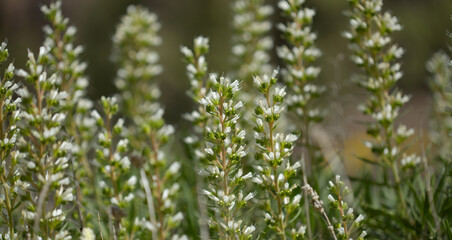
{"x":276,"y":174}
{"x":251,"y":45}
{"x":196,"y":71}
{"x":134,"y":43}
{"x":377,"y":56}
{"x":441,"y":125}
{"x":10,"y":170}
{"x":64,"y":61}
{"x":298,"y":54}
{"x":224,"y":150}
{"x":251,"y":48}
{"x":47,"y":152}
{"x":63,"y":55}
{"x":115,"y":179}
{"x":197,"y":66}
{"x":346,"y":224}
{"x":373,"y":51}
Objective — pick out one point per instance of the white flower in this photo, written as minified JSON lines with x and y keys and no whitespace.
{"x":88,"y":234}
{"x":359,"y":218}
{"x":64,"y":181}
{"x":125,"y":162}
{"x":257,"y":180}
{"x":186,"y":51}
{"x":48,"y":133}
{"x":238,"y":105}
{"x":57,"y":212}
{"x":178,"y":217}
{"x":63,"y":235}
{"x":267,"y":216}
{"x":31,"y":165}
{"x":281,"y":178}
{"x":411,"y":160}
{"x":28,"y":214}
{"x":123,"y":143}
{"x":290,"y":138}
{"x":302,"y":229}
{"x":296,"y":200}
{"x":22,"y":73}
{"x":201,"y":42}
{"x":331,"y":198}
{"x":132,"y":181}
{"x":119,"y":123}
{"x":249,"y":197}
{"x":95,"y":115}
{"x":114,"y":201}
{"x":284,"y":5}
{"x":174,"y":168}
{"x":209,"y":151}
{"x":404,"y":131}
{"x":23,"y":92}
{"x":129,"y":197}
{"x":362,"y":235}
{"x":249,"y":230}
{"x":69,"y":197}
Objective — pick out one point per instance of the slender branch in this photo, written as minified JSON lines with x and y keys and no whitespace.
{"x":41,"y":201}
{"x":428,"y":187}
{"x":100,"y":229}
{"x":150,"y":201}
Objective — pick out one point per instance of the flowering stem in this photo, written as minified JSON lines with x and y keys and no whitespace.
{"x":155,"y":147}
{"x":227,"y":216}
{"x":3,"y":158}
{"x":282,"y":230}
{"x":110,"y":157}
{"x":341,"y":211}
{"x":196,"y":71}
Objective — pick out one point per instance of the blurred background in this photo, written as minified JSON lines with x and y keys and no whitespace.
{"x":425,"y":31}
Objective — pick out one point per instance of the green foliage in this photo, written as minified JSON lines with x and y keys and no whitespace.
{"x":68,"y":171}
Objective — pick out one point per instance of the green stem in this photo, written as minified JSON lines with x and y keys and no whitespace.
{"x":306,"y":151}
{"x":395,"y":172}
{"x":8,"y":208}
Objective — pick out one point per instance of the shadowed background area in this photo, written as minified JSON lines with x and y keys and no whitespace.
{"x":425,"y":24}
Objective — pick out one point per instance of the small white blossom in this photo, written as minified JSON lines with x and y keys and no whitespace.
{"x":88,"y":234}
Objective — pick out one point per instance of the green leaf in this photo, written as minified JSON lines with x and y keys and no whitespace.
{"x":390,"y":216}
{"x":447,"y":228}
{"x":371,"y":182}
{"x":366,"y":160}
